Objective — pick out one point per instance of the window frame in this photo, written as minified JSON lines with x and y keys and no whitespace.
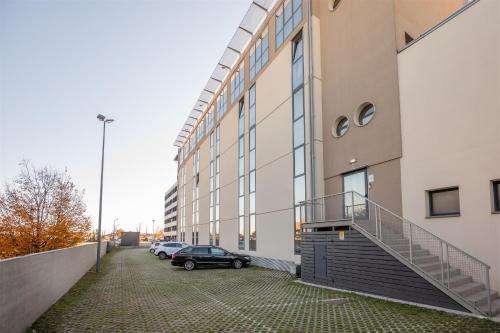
{"x":430,"y":208}
{"x":350,"y":173}
{"x":495,"y":196}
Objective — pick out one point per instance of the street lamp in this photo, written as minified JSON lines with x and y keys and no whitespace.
{"x":154,"y":233}
{"x":98,"y":261}
{"x":114,"y":229}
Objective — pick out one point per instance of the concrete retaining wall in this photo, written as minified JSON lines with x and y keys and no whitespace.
{"x":31,"y":284}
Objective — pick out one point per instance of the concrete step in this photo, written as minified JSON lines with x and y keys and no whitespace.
{"x":415,"y":253}
{"x":438,"y":275}
{"x":481,"y":298}
{"x":458,"y":281}
{"x":430,"y":267}
{"x":395,"y":241}
{"x":425,"y":260}
{"x":495,"y":308}
{"x":405,"y":247}
{"x":469,"y":289}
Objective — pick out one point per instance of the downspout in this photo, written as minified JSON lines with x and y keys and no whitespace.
{"x":311,"y":103}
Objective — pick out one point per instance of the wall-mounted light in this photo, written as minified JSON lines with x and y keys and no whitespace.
{"x":352,"y":161}
{"x":333,"y":4}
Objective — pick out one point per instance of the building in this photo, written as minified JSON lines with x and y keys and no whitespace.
{"x":170,"y":219}
{"x":328,"y":126}
{"x":130,"y":238}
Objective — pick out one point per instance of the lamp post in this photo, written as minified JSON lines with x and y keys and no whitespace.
{"x":98,"y":261}
{"x":114,"y":228}
{"x":154,"y":233}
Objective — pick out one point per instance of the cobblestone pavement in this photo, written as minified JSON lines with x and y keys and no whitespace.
{"x":139,"y":293}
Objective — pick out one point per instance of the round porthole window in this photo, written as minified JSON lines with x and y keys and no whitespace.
{"x":365,"y":114}
{"x":340,"y":127}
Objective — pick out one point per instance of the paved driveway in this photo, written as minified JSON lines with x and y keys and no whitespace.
{"x":139,"y":293}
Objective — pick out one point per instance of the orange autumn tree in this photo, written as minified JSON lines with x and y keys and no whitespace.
{"x":41,"y":210}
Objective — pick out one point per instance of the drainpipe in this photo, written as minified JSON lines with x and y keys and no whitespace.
{"x":311,"y":103}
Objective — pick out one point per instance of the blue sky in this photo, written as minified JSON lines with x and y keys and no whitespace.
{"x":142,"y":63}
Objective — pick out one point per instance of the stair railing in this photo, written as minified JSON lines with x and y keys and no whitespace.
{"x":402,"y":238}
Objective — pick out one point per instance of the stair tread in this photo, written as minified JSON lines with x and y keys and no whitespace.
{"x":495,"y":307}
{"x":481,"y":294}
{"x":468,"y":286}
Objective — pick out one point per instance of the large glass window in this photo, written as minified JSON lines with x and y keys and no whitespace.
{"x":196,"y":194}
{"x":444,"y":202}
{"x":355,"y":182}
{"x":221,"y":104}
{"x":217,"y":185}
{"x":210,"y":119}
{"x":241,"y":175}
{"x":288,"y":17}
{"x":299,"y":171}
{"x":252,"y":170}
{"x":237,"y":82}
{"x":211,"y":193}
{"x":259,"y":54}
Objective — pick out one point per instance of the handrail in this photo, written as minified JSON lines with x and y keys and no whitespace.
{"x":450,"y":256}
{"x":397,"y":216}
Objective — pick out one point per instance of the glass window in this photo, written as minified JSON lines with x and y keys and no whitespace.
{"x":216,"y":251}
{"x":366,"y":114}
{"x":444,"y":202}
{"x":298,"y":132}
{"x":355,"y":182}
{"x":252,"y":181}
{"x":300,"y":189}
{"x":496,"y":195}
{"x":298,"y":104}
{"x":188,"y":249}
{"x":252,"y":139}
{"x":200,"y":250}
{"x":299,"y":161}
{"x":342,"y":126}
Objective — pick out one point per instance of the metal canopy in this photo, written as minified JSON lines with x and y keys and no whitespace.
{"x":251,"y":23}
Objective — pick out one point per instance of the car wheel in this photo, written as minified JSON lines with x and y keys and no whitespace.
{"x":162,"y":255}
{"x":237,"y":264}
{"x":189,"y":265}
{"x":152,"y":250}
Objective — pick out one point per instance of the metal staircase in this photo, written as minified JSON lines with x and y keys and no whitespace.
{"x":461,"y":276}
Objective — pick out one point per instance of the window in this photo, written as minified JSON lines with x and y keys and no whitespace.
{"x":259,"y":54}
{"x":200,"y":131}
{"x":341,"y":127}
{"x":495,"y":186}
{"x":241,"y":175}
{"x":288,"y":17}
{"x":444,"y":202}
{"x":211,"y":194}
{"x":221,"y":104}
{"x":188,"y":249}
{"x":210,"y":119}
{"x":216,"y":251}
{"x":200,"y":250}
{"x":366,"y":113}
{"x":355,"y":182}
{"x":238,"y":82}
{"x":252,"y":168}
{"x":196,"y":194}
{"x":217,"y":185}
{"x":298,"y":119}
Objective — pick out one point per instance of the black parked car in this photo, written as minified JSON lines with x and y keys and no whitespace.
{"x":206,"y":255}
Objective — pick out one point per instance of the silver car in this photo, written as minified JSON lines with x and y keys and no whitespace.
{"x":166,"y":250}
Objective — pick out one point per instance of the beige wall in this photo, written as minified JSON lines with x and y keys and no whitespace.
{"x":450,"y":111}
{"x":31,"y":284}
{"x":358,"y":63}
{"x":416,"y":16}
